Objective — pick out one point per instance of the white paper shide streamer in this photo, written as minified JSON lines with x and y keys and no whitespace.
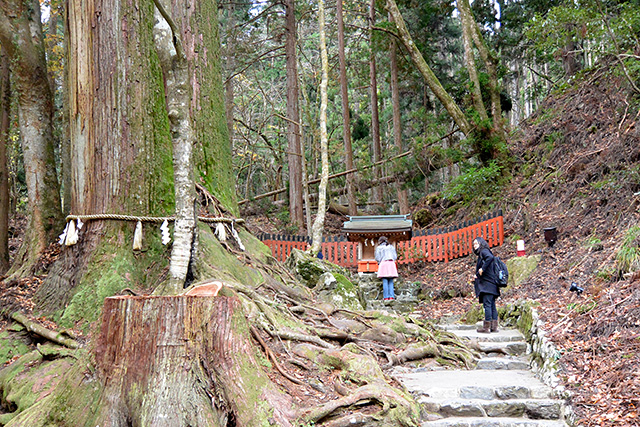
{"x":137,"y":237}
{"x":72,"y":234}
{"x":63,"y":236}
{"x":166,"y":236}
{"x":236,"y":236}
{"x":221,"y":233}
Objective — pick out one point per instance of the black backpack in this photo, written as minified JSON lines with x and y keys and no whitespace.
{"x":501,"y":272}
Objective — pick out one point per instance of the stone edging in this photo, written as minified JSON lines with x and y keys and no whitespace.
{"x":543,"y":354}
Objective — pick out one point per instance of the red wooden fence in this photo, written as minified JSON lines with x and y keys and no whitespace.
{"x":442,"y":244}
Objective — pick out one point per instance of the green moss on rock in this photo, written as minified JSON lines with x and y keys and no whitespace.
{"x":520,"y":268}
{"x":11,"y":345}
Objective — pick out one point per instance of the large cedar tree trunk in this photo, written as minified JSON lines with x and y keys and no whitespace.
{"x":346,"y":121}
{"x":403,"y":198}
{"x":375,"y":118}
{"x":21,"y":34}
{"x":121,"y":144}
{"x":293,"y":118}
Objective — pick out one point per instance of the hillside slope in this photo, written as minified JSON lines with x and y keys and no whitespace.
{"x":577,"y":169}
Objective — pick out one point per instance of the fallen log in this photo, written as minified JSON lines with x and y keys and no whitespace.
{"x":40,"y":330}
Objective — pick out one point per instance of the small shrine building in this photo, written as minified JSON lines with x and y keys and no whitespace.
{"x":366,"y":230}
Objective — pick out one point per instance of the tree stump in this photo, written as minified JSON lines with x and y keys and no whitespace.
{"x":182,"y":361}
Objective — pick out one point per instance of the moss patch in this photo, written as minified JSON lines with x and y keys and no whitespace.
{"x":520,"y":268}
{"x":30,"y":381}
{"x":310,"y":273}
{"x":11,"y":345}
{"x":114,"y":267}
{"x":215,"y":261}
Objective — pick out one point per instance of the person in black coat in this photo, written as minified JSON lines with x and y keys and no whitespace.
{"x":486,"y":285}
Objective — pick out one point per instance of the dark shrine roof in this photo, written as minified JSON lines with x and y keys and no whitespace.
{"x":396,"y":227}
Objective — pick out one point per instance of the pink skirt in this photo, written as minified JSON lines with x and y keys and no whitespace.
{"x":387,"y":269}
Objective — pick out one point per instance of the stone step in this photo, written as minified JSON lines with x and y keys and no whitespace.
{"x":503,"y":335}
{"x":475,"y":384}
{"x":455,"y":327}
{"x":539,"y":409}
{"x":513,"y":348}
{"x":506,"y":362}
{"x":492,"y":422}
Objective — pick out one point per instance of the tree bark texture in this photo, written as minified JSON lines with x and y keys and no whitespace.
{"x":5,"y":114}
{"x":230,"y":65}
{"x":318,"y":224}
{"x":22,"y":37}
{"x":467,"y":23}
{"x":120,"y":144}
{"x":490,"y":63}
{"x":346,"y":121}
{"x":293,"y":115}
{"x":375,"y":118}
{"x":403,"y":199}
{"x":182,"y":361}
{"x":430,"y":78}
{"x":174,"y":66}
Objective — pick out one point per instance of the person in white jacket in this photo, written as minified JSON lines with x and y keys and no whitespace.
{"x":386,"y":257}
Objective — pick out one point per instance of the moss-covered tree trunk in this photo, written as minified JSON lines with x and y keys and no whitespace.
{"x":121,"y":144}
{"x":5,"y":109}
{"x":430,"y":78}
{"x":21,"y":35}
{"x":121,"y":155}
{"x":318,"y":223}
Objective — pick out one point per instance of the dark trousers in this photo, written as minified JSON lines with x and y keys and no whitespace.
{"x":489,"y":304}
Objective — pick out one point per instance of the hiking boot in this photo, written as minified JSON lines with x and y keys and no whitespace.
{"x":486,"y":327}
{"x":494,"y":325}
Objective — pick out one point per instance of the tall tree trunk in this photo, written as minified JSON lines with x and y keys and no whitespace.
{"x":430,"y":78}
{"x":293,"y":116}
{"x":21,"y":34}
{"x":5,"y":115}
{"x":318,"y":224}
{"x":173,"y":61}
{"x":490,"y":63}
{"x":403,"y":199}
{"x":375,"y":118}
{"x":65,"y":146}
{"x":467,"y":23}
{"x":121,"y":143}
{"x":570,"y":62}
{"x":230,"y":65}
{"x":346,"y":121}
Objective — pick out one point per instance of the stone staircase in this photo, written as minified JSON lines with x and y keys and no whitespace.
{"x":501,"y":391}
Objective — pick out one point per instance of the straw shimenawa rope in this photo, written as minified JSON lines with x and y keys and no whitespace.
{"x":118,"y":217}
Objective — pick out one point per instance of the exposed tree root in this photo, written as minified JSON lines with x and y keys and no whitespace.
{"x":352,"y":420}
{"x":293,"y":336}
{"x":273,"y":358}
{"x":382,"y":394}
{"x":38,"y":329}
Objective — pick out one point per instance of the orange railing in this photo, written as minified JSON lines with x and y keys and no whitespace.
{"x":442,"y":244}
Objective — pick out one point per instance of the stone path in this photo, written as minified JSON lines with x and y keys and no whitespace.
{"x":501,"y":391}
